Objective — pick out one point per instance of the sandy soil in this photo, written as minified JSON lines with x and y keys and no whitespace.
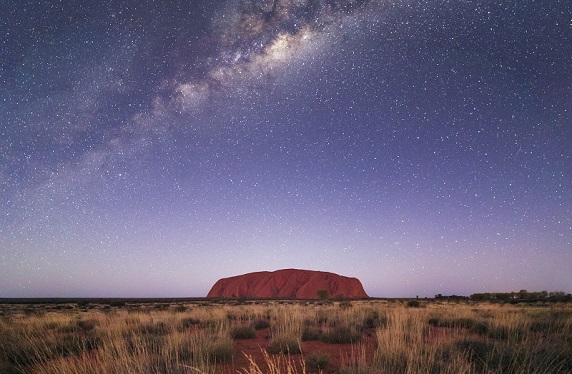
{"x":339,"y":353}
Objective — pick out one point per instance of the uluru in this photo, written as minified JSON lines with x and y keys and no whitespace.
{"x":288,"y":284}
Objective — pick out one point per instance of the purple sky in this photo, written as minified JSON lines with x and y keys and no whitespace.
{"x":149,"y":149}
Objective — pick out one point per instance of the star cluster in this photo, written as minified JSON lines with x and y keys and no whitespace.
{"x":149,"y":149}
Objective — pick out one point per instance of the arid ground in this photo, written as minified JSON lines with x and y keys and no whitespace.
{"x":285,"y":336}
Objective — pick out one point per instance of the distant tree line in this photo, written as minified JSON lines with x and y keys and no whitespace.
{"x":522,"y":296}
{"x":451,"y":297}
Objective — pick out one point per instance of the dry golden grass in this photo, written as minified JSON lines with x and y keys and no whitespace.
{"x":197,"y":337}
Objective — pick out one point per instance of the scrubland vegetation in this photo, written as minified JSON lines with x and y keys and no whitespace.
{"x":367,"y":336}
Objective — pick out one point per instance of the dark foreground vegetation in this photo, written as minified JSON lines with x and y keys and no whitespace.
{"x":210,"y":336}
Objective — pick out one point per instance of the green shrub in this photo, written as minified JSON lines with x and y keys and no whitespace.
{"x":222,"y":352}
{"x":480,"y":328}
{"x":260,"y":324}
{"x":243,"y":332}
{"x":159,"y":328}
{"x":477,"y":352}
{"x":284,"y":345}
{"x":231,"y":316}
{"x":188,"y":322}
{"x":450,"y":322}
{"x":541,"y":326}
{"x":323,"y":294}
{"x":73,"y":344}
{"x":180,"y":308}
{"x":87,"y":324}
{"x":311,"y":334}
{"x":374,"y":320}
{"x":67,"y":329}
{"x":345,"y":305}
{"x":340,"y":335}
{"x":413,"y":304}
{"x":549,"y":322}
{"x":317,"y":360}
{"x":209,"y":324}
{"x":321,"y":318}
{"x":464,"y":323}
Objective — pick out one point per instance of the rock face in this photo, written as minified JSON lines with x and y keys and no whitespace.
{"x":288,"y":283}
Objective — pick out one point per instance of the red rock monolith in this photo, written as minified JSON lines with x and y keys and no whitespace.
{"x":288,"y":284}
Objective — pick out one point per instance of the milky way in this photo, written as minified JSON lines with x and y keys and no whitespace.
{"x":150,"y":149}
{"x":252,"y":41}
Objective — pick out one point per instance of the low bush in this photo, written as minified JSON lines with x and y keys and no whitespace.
{"x":222,"y":351}
{"x":374,"y":320}
{"x":346,"y":305}
{"x":87,"y":324}
{"x":480,"y":328}
{"x":158,"y":328}
{"x":284,"y":345}
{"x":317,"y":360}
{"x":73,"y":344}
{"x":476,"y":351}
{"x":311,"y":334}
{"x":260,"y":324}
{"x":180,"y":309}
{"x":340,"y":335}
{"x":242,"y":332}
{"x":188,"y":322}
{"x":452,"y":322}
{"x":413,"y":304}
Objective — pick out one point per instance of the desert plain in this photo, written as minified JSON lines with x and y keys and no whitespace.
{"x":284,"y":336}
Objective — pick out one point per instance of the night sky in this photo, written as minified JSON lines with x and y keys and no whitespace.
{"x":149,"y":148}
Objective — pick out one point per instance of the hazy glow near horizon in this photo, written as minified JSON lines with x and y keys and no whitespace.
{"x":147,"y":150}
